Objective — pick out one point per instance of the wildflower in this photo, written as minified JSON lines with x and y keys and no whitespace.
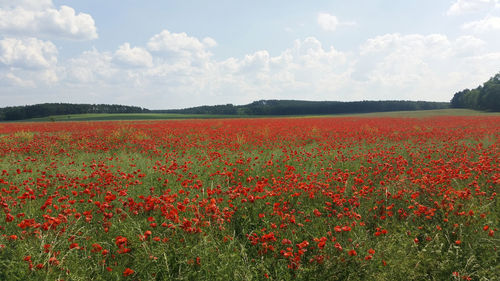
{"x":128,"y":272}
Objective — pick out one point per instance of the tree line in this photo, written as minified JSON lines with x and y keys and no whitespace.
{"x":49,"y":109}
{"x":484,"y":97}
{"x":261,"y":107}
{"x":299,"y":107}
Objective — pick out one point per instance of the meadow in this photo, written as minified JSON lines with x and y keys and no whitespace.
{"x":345,"y":198}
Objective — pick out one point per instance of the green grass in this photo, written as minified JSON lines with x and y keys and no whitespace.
{"x":417,"y":113}
{"x":72,"y":165}
{"x":429,"y":113}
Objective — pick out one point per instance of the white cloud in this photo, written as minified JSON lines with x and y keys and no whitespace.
{"x":460,"y":7}
{"x":178,"y":42}
{"x":434,"y":45}
{"x":209,"y":42}
{"x":90,"y":68}
{"x":177,"y":70}
{"x":28,"y":53}
{"x":180,"y":51}
{"x":28,"y":62}
{"x":430,"y":67}
{"x":487,"y":24}
{"x":47,"y":22}
{"x":330,"y":22}
{"x":468,"y":46}
{"x":26,"y":4}
{"x":307,"y":70}
{"x":134,"y":57}
{"x":327,"y":22}
{"x":12,"y":80}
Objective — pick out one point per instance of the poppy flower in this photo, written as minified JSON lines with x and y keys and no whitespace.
{"x":128,"y":272}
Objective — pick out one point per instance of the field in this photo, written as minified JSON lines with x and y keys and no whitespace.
{"x":123,"y":116}
{"x":170,"y":116}
{"x":346,"y":198}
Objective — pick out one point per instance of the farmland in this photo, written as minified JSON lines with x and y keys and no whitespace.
{"x":346,"y":198}
{"x":177,"y":116}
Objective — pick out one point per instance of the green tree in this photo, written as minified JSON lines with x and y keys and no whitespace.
{"x":489,"y":96}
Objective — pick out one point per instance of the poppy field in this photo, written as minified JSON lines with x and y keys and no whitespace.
{"x":251,"y":199}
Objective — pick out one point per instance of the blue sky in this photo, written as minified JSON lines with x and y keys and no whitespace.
{"x":175,"y":54}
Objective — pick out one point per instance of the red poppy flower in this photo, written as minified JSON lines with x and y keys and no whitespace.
{"x":128,"y":272}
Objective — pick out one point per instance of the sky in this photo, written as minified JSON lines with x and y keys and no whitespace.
{"x":163,"y":54}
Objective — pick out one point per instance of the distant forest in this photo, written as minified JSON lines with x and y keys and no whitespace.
{"x":297,"y":107}
{"x":262,"y":107}
{"x":485,"y":97}
{"x":49,"y":109}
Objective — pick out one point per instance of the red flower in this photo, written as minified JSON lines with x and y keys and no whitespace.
{"x":303,"y":244}
{"x":96,"y":248}
{"x":317,"y":213}
{"x":346,"y":228}
{"x":128,"y":272}
{"x":9,"y":217}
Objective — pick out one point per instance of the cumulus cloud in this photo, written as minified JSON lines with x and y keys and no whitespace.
{"x":171,"y":67}
{"x":427,"y":66}
{"x":390,"y":66}
{"x":178,"y":42}
{"x":330,"y":22}
{"x":134,"y":57}
{"x":91,"y":67}
{"x":43,"y":20}
{"x":28,"y":53}
{"x":28,"y":62}
{"x":460,"y":7}
{"x":468,"y":46}
{"x":487,"y":24}
{"x":304,"y":57}
{"x":433,"y":45}
{"x":400,"y":61}
{"x":307,"y":70}
{"x":327,"y":22}
{"x":181,"y":51}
